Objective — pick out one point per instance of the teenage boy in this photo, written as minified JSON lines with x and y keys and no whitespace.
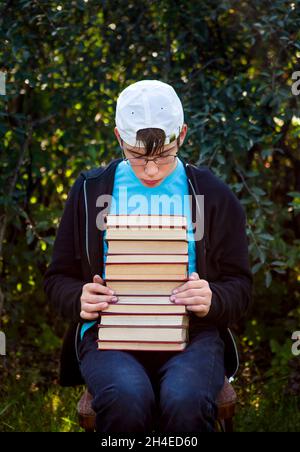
{"x":136,"y":391}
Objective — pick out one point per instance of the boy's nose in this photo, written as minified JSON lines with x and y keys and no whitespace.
{"x":151,"y":168}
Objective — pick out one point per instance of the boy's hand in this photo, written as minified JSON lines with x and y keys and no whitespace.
{"x":94,"y":298}
{"x":195,"y":294}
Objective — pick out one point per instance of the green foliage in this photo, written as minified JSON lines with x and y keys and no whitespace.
{"x":48,"y":410}
{"x":231,"y":63}
{"x":272,"y":412}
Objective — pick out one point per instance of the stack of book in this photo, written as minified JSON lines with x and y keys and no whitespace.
{"x":147,"y":258}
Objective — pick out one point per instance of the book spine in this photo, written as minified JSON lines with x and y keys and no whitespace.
{"x":146,"y":313}
{"x":125,"y":239}
{"x":141,"y":342}
{"x":147,"y":254}
{"x":146,"y":263}
{"x":184,"y":279}
{"x":172,"y":327}
{"x":156,"y":239}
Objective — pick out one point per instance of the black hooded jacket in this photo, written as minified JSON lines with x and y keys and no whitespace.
{"x":221,"y":258}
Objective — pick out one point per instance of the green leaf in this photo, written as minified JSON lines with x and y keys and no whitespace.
{"x":280,"y":263}
{"x":257,"y":267}
{"x":258,"y":191}
{"x":266,"y":236}
{"x":29,"y":235}
{"x":268,"y":279}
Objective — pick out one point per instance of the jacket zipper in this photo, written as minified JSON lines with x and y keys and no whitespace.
{"x":86,"y":224}
{"x":78,"y":328}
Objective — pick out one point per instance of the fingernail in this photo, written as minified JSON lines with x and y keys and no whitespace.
{"x":111,"y":292}
{"x":114,"y":299}
{"x":172,"y":298}
{"x":175,"y":291}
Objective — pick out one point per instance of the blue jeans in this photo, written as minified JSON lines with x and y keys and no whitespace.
{"x":142,"y":392}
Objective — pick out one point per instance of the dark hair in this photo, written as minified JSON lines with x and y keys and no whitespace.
{"x":153,"y":140}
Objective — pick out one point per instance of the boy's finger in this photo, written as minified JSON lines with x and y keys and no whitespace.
{"x":191,"y":284}
{"x":99,"y":288}
{"x":97,"y":279}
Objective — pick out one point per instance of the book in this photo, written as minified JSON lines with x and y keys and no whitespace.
{"x":176,"y":221}
{"x":144,"y":346}
{"x":145,"y":299}
{"x":120,"y":246}
{"x":142,"y":333}
{"x":144,"y":276}
{"x":161,"y":320}
{"x":145,"y":234}
{"x":146,"y":259}
{"x":123,"y":308}
{"x":134,"y":287}
{"x":129,"y":267}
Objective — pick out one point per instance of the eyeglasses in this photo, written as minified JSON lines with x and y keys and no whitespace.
{"x":142,"y":161}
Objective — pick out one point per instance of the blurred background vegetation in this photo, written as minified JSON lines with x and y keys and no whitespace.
{"x":231,"y":63}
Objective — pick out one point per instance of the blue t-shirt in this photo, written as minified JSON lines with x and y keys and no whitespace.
{"x":171,"y":197}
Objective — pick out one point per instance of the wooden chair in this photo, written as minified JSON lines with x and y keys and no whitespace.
{"x":226,"y":403}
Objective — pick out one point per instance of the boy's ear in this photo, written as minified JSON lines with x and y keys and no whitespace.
{"x":183,"y":134}
{"x":116,"y":132}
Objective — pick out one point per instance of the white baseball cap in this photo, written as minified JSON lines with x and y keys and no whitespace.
{"x":148,"y":104}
